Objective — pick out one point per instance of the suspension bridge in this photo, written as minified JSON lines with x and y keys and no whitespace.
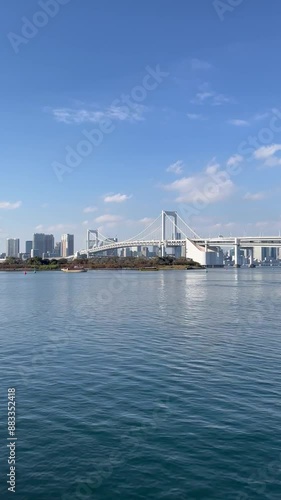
{"x":169,"y":230}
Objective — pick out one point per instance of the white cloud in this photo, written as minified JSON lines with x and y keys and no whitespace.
{"x":239,"y":123}
{"x":254,"y":196}
{"x":108,"y":218}
{"x":7,"y":205}
{"x":117,"y":198}
{"x":113,"y":112}
{"x":268,"y":155}
{"x":89,"y":210}
{"x":196,"y":116}
{"x":85,"y":223}
{"x":198,"y":64}
{"x":209,"y":186}
{"x":176,"y":168}
{"x":212,"y":167}
{"x":146,"y":220}
{"x":261,"y":116}
{"x":234,"y":160}
{"x":209,"y":96}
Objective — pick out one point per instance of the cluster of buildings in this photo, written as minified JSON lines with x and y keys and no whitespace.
{"x":42,"y":245}
{"x":261,"y":255}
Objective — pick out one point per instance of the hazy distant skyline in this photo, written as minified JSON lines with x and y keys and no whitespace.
{"x":162,"y":139}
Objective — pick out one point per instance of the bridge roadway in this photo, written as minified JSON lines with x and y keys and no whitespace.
{"x":242,"y":242}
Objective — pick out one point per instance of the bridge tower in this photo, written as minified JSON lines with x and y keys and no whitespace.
{"x":170,"y":215}
{"x":237,"y":258}
{"x":92,"y":242}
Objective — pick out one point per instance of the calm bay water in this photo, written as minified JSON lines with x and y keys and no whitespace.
{"x":143,"y":385}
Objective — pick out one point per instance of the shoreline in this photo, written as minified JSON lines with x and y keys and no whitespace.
{"x":152,"y":269}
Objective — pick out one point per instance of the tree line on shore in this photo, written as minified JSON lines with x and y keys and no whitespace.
{"x":37,"y":263}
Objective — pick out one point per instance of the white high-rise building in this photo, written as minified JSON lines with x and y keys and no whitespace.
{"x":67,"y":245}
{"x":13,"y":247}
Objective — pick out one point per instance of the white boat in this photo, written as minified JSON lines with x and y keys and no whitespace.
{"x":77,"y":270}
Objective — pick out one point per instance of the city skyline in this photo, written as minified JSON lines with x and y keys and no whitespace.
{"x":41,"y":245}
{"x":106,"y":145}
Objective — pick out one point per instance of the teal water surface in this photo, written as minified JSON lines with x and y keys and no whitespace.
{"x":143,"y":385}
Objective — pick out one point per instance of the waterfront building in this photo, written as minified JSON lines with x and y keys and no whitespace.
{"x":28,"y":247}
{"x":145,"y":252}
{"x":57,"y":249}
{"x":13,"y":247}
{"x":42,"y":244}
{"x":38,"y":245}
{"x":35,"y":253}
{"x":67,"y":245}
{"x":49,"y":243}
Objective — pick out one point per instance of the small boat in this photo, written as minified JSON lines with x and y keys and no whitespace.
{"x":74,"y":270}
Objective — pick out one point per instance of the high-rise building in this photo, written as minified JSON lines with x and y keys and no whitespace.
{"x":57,"y":250}
{"x":67,"y":245}
{"x":38,"y":245}
{"x":49,"y":243}
{"x":273,"y":254}
{"x":42,"y":244}
{"x":13,"y":247}
{"x":28,"y":247}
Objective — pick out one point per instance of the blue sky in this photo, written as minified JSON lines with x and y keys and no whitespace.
{"x":216,"y":105}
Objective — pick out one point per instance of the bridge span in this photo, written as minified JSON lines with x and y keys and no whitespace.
{"x":172,"y":231}
{"x":202,"y":244}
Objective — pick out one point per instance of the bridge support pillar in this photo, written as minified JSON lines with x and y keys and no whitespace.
{"x":237,"y":259}
{"x":251,"y":257}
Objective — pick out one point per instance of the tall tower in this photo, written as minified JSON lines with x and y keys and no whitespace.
{"x":67,"y":245}
{"x":13,"y":247}
{"x":168,"y":215}
{"x":92,"y":242}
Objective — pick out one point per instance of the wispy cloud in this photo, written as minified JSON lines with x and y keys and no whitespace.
{"x":234,"y":160}
{"x":239,"y":123}
{"x":206,"y":95}
{"x":146,"y":220}
{"x":251,"y":120}
{"x":117,"y":198}
{"x":198,"y":64}
{"x":196,"y":116}
{"x":7,"y":205}
{"x":255,"y":196}
{"x":89,"y":210}
{"x":108,"y":218}
{"x":268,"y":155}
{"x":261,"y":116}
{"x":176,"y":168}
{"x":71,"y":116}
